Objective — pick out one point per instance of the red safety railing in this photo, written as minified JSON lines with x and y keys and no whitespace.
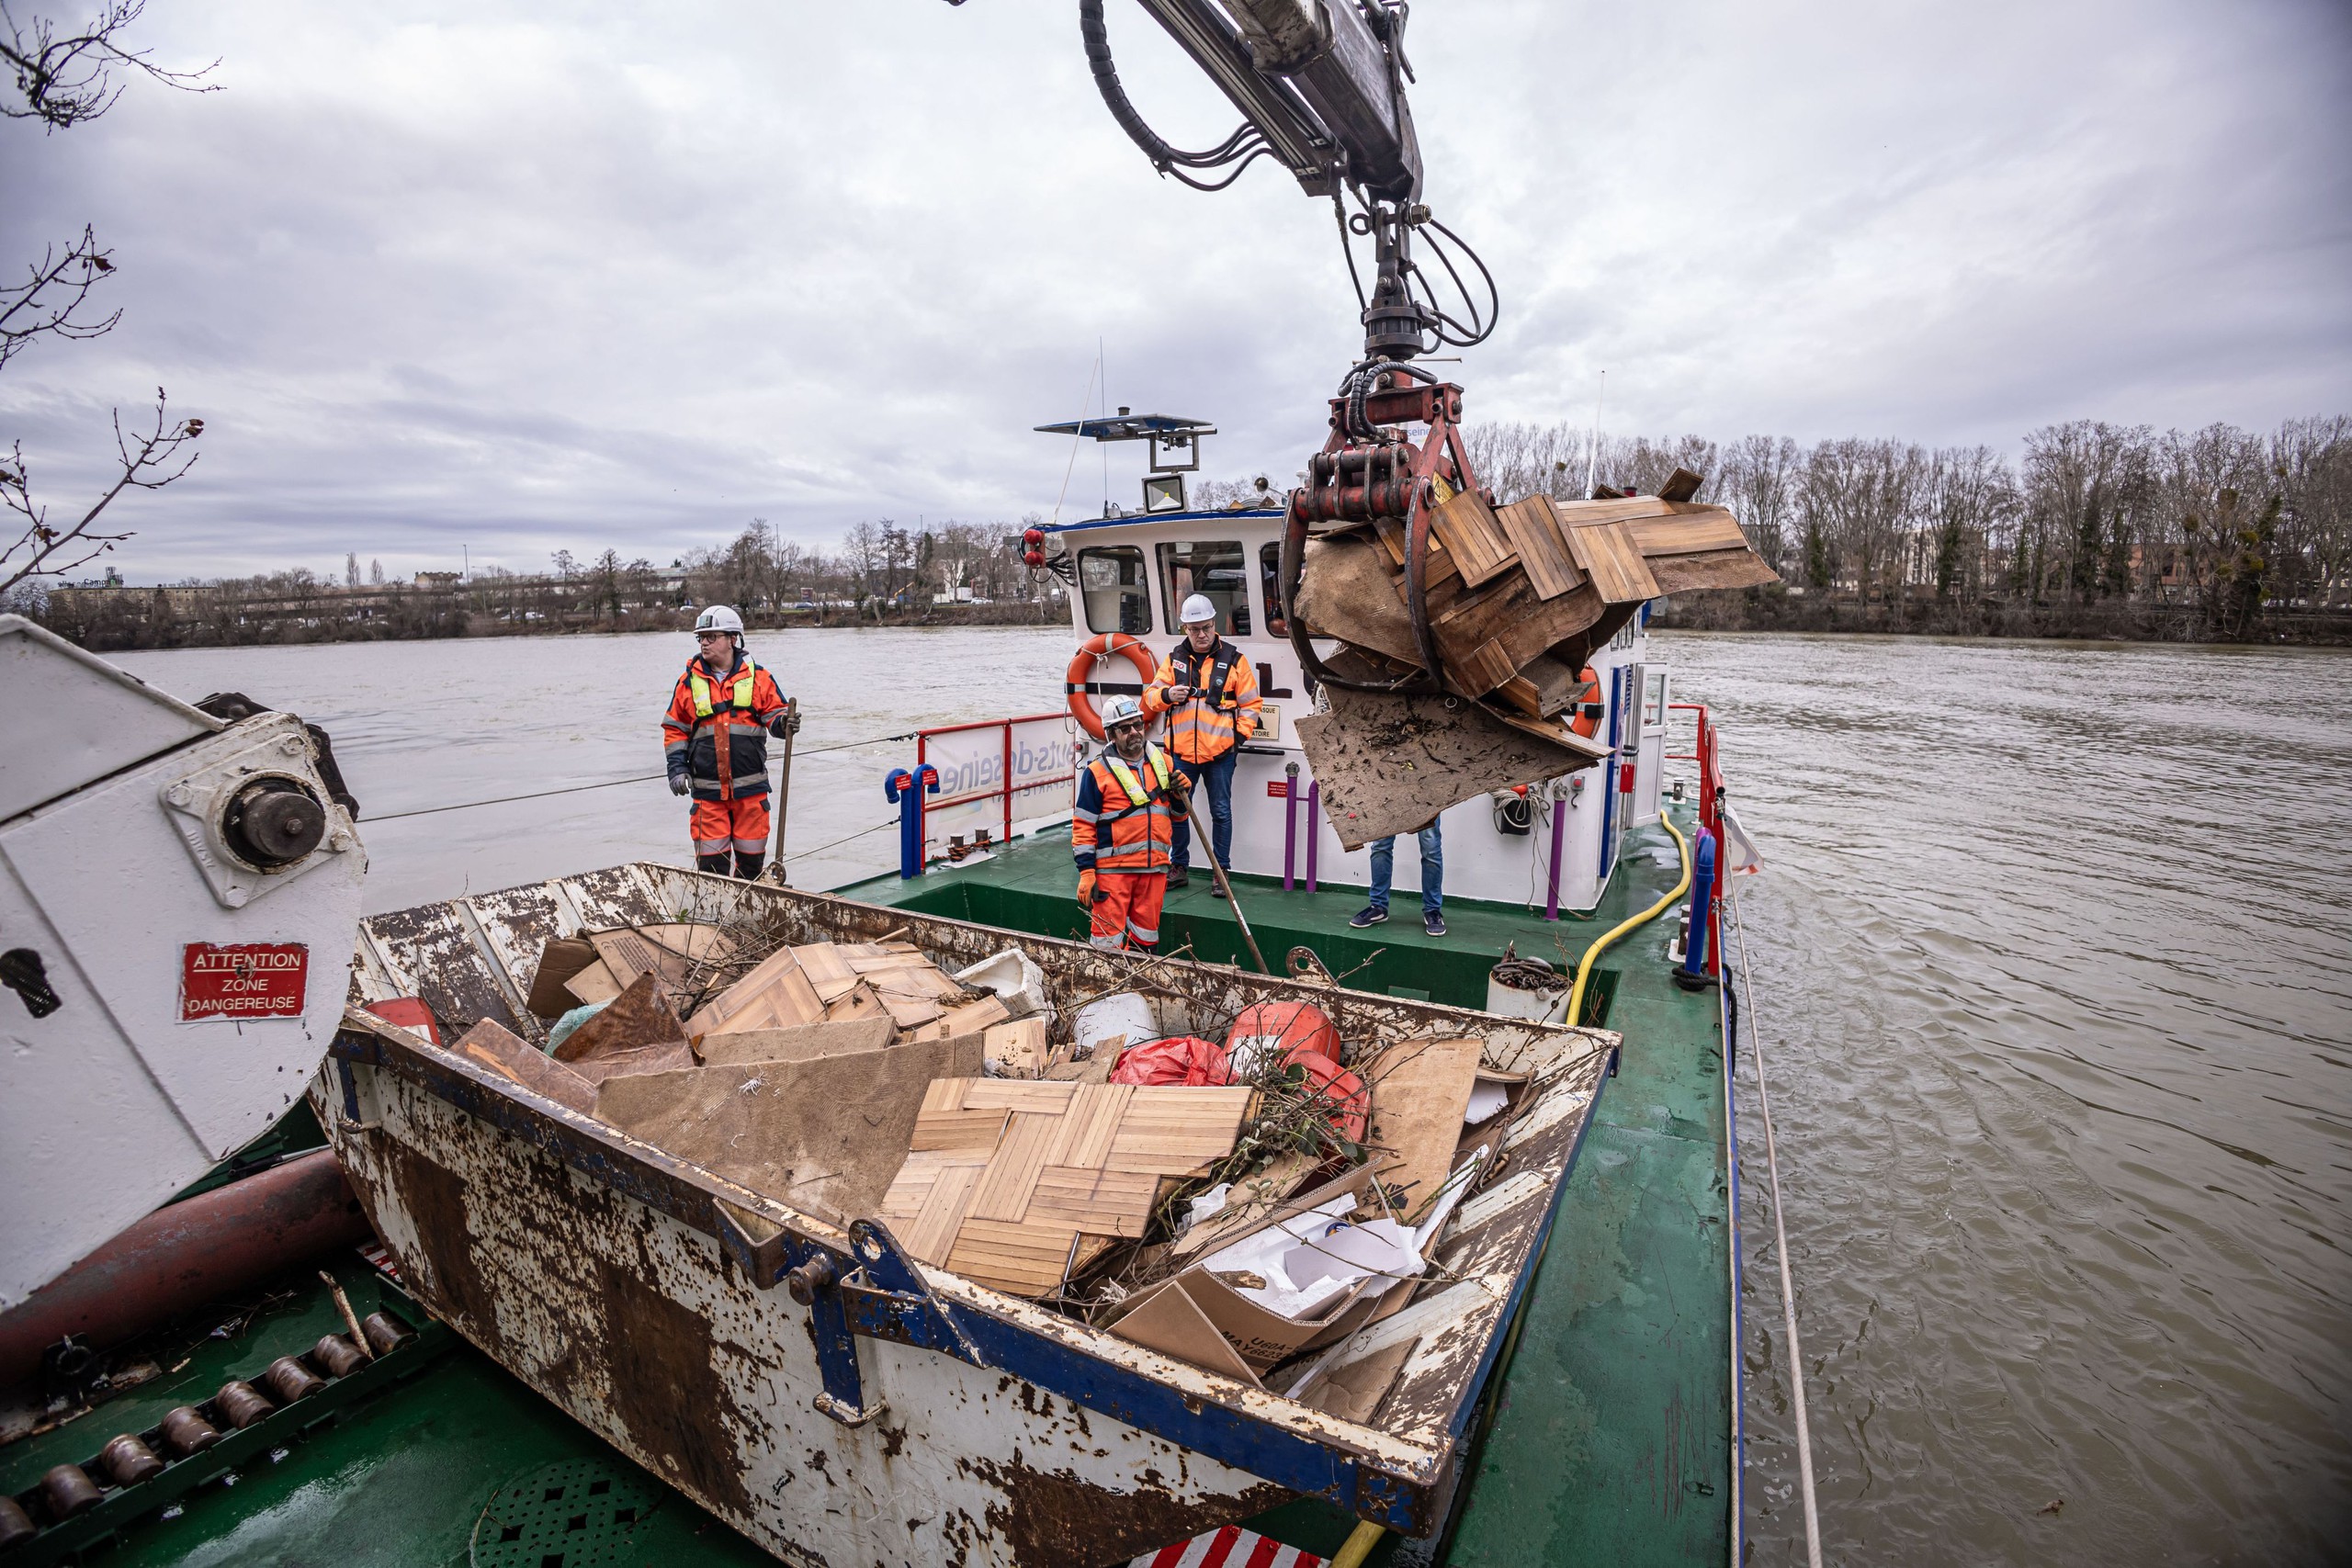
{"x":1004,"y":785}
{"x":1711,"y":817}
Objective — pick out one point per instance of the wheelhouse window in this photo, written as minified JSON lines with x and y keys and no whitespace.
{"x":1269,"y":580}
{"x":1215,"y":569}
{"x":1110,"y":579}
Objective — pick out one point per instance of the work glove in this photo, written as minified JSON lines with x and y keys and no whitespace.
{"x":1086,"y":893}
{"x":681,"y":785}
{"x":785,"y":723}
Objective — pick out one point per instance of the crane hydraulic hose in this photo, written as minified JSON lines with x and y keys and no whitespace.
{"x":1584,"y":970}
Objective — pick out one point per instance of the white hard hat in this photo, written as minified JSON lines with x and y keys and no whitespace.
{"x":1121,"y":710}
{"x":1196,"y":610}
{"x":719,"y":619}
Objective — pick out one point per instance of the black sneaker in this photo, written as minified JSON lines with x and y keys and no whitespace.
{"x":1217,"y":892}
{"x":1434,"y":922}
{"x":1178,"y":877}
{"x":1370,"y":915}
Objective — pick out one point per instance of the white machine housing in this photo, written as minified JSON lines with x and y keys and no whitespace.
{"x":114,"y":871}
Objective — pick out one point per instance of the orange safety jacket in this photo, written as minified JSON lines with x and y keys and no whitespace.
{"x":1124,"y":817}
{"x":1222,"y":712}
{"x":716,"y":732}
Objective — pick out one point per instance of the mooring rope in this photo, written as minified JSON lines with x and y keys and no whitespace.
{"x":1780,"y":1234}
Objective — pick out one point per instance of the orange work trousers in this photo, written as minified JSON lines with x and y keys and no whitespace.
{"x":1128,"y":912}
{"x":741,"y":826}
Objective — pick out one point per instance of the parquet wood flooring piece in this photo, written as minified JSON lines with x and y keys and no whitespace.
{"x":946,"y":1202}
{"x":1473,"y":537}
{"x":1098,"y":1202}
{"x":970,"y":1018}
{"x":670,"y":951}
{"x":1176,"y":1132}
{"x":1011,"y":1175}
{"x":1534,"y":533}
{"x":976,"y":1131}
{"x":1091,"y":1121}
{"x":1018,"y":1094}
{"x":775,"y":995}
{"x":827,"y":970}
{"x":858,"y":1001}
{"x":1610,"y":557}
{"x":909,"y":1012}
{"x":1020,"y":1259}
{"x":1053,"y":1161}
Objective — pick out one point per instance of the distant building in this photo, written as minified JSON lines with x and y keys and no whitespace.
{"x":441,"y":582}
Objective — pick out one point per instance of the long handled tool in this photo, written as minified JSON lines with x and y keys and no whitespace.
{"x":1223,"y":885}
{"x":783,"y":791}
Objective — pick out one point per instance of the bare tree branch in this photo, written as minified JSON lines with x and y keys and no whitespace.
{"x":148,"y":461}
{"x":55,"y":288}
{"x":66,"y":81}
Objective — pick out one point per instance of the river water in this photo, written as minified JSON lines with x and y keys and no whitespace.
{"x":2052,"y":963}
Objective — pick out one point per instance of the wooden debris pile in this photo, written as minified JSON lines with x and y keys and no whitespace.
{"x":1519,"y":598}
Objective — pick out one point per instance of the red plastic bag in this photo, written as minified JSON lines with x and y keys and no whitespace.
{"x":1183,"y":1059}
{"x":1283,"y":1032}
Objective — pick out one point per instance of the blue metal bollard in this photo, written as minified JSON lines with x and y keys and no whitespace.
{"x":1693,"y":975}
{"x":901,"y":791}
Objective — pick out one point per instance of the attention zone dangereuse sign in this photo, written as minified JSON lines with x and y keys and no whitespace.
{"x":255,"y":979}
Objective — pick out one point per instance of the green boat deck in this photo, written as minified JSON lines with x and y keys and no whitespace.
{"x":1609,"y":1437}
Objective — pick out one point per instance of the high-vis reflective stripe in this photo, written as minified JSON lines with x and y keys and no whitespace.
{"x":1222,"y":709}
{"x":1133,"y":829}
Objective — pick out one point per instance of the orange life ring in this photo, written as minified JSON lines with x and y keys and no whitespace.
{"x":1090,"y":652}
{"x":1588,"y":720}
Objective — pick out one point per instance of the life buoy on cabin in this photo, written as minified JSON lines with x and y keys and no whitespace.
{"x":1587,"y":722}
{"x":1090,"y":652}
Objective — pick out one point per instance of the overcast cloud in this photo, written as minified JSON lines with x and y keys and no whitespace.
{"x":508,"y":278}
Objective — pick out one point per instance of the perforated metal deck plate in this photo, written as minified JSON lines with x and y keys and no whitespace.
{"x":576,"y":1513}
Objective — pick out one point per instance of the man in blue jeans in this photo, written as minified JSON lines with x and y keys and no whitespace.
{"x":1384,"y":861}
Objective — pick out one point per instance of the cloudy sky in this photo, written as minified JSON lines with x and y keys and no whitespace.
{"x":502,"y":279}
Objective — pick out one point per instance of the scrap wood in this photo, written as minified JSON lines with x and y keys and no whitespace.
{"x":676,"y":951}
{"x":591,"y":985}
{"x":858,"y":1001}
{"x":1017,"y":1048}
{"x":797,"y":1043}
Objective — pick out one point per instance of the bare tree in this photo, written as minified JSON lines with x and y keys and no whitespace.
{"x":63,"y":82}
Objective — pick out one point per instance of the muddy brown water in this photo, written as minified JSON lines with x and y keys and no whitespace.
{"x":2052,"y":962}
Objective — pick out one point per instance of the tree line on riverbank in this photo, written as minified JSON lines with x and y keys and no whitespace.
{"x":2096,"y":530}
{"x":953,"y":573}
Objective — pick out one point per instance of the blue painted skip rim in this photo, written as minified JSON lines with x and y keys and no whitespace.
{"x":1412,"y":1499}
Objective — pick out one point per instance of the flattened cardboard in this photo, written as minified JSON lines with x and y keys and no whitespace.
{"x":1172,"y":1323}
{"x":590,"y":986}
{"x":493,"y":1045}
{"x":1353,"y":1390}
{"x":560,"y":960}
{"x":831,"y":1130}
{"x":1420,"y":1090}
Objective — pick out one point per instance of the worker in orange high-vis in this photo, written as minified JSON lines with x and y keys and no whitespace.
{"x":716,"y":735}
{"x":1128,"y":803}
{"x":1209,"y":692}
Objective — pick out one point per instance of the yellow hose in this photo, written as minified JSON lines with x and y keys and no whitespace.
{"x":1584,"y":970}
{"x":1366,"y":1535}
{"x":1360,"y":1540}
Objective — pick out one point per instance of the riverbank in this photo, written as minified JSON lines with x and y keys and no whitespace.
{"x":141,"y":622}
{"x":1782,"y":609}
